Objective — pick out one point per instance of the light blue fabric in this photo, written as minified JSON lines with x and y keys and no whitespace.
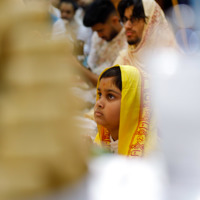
{"x":53,"y":18}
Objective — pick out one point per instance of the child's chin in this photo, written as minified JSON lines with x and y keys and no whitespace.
{"x":98,"y":121}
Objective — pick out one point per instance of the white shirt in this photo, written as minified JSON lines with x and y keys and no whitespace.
{"x":113,"y":145}
{"x":103,"y":53}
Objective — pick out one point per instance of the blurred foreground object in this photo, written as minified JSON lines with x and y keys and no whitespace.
{"x":117,"y":177}
{"x":176,"y":88}
{"x":40,"y":149}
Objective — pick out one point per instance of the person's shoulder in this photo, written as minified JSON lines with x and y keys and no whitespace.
{"x":53,"y":18}
{"x":123,"y":53}
{"x":120,"y":58}
{"x":96,"y":38}
{"x":60,"y":24}
{"x":84,"y":33}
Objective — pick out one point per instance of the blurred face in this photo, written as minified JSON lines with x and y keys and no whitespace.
{"x":106,"y":31}
{"x":67,"y":11}
{"x":107,"y":108}
{"x":134,"y":27}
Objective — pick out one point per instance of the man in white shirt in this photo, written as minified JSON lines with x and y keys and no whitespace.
{"x":108,"y":37}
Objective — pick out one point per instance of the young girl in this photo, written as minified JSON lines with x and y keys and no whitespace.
{"x":122,"y":111}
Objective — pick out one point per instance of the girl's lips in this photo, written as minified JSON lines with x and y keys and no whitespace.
{"x":98,"y":114}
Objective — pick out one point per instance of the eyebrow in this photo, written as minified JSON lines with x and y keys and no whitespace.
{"x":109,"y":90}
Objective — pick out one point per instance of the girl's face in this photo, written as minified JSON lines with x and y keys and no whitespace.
{"x":107,"y":107}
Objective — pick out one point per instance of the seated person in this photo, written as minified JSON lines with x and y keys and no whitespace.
{"x":68,"y":9}
{"x":108,"y":38}
{"x":122,"y":112}
{"x":147,"y":30}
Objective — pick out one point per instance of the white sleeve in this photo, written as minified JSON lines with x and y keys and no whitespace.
{"x":92,"y":58}
{"x":59,"y":30}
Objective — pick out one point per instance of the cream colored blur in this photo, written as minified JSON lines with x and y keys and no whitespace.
{"x":40,"y":149}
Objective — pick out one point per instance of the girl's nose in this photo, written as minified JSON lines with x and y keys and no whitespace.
{"x":100,"y":103}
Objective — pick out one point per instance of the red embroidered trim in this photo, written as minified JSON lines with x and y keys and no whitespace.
{"x":136,"y":148}
{"x":105,"y":137}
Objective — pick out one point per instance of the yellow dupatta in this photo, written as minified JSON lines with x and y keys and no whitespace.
{"x":134,"y":129}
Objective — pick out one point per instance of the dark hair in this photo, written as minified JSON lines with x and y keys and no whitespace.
{"x":138,"y":10}
{"x":98,"y":12}
{"x":114,"y":72}
{"x":74,"y":4}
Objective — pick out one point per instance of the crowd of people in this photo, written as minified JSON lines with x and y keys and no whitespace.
{"x":129,"y":39}
{"x":123,"y":37}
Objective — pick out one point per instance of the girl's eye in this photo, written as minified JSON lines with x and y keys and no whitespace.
{"x":99,"y":94}
{"x":110,"y":96}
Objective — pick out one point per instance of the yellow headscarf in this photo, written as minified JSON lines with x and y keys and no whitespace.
{"x":135,"y":115}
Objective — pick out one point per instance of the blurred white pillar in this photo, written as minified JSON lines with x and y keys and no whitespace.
{"x":176,"y":89}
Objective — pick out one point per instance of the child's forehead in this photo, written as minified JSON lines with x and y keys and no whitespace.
{"x":106,"y":81}
{"x":108,"y":84}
